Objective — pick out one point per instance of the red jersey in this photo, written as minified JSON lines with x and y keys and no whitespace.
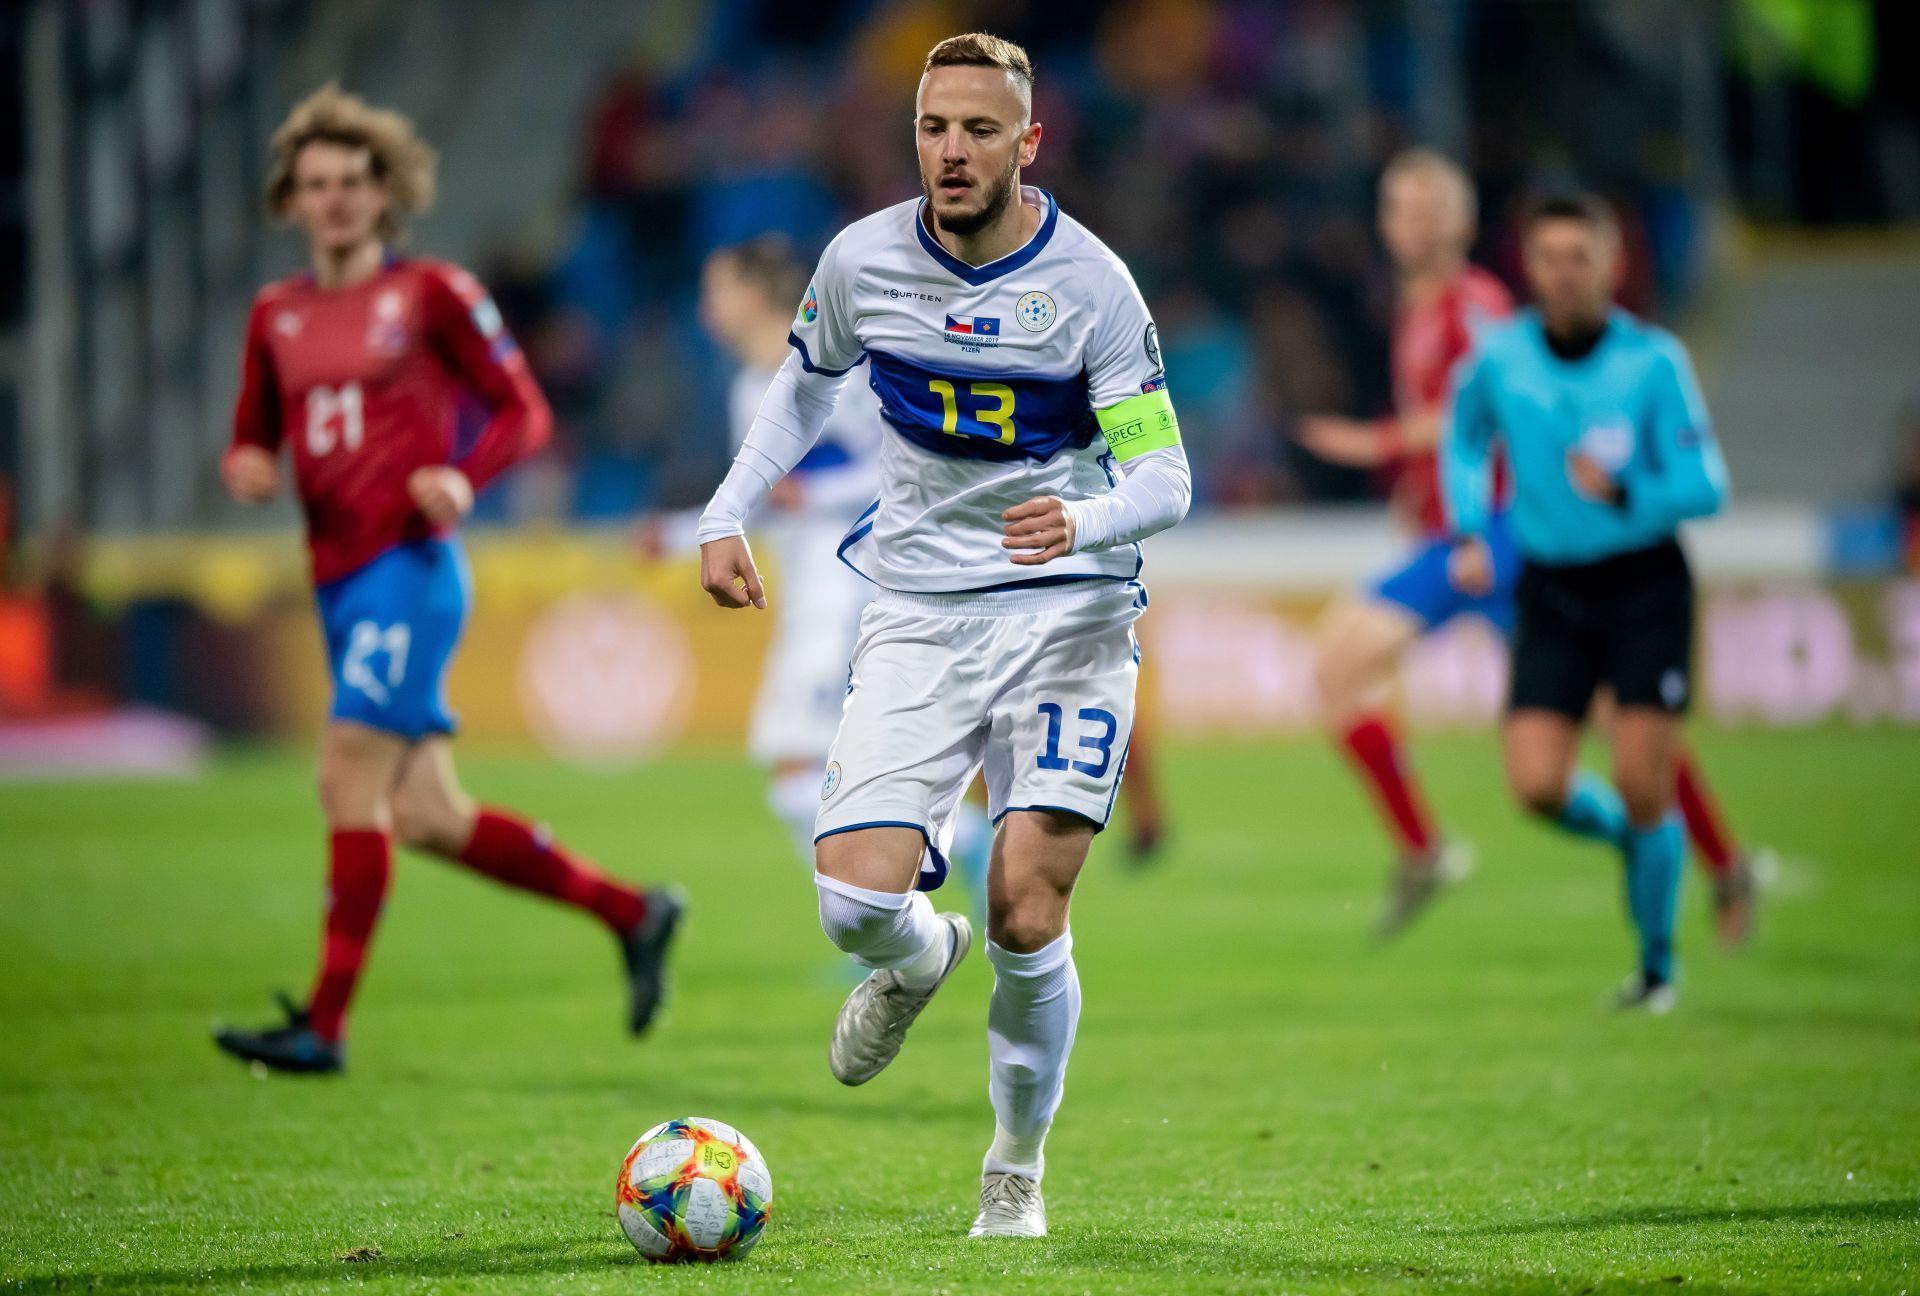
{"x":366,"y":383}
{"x":1428,"y":340}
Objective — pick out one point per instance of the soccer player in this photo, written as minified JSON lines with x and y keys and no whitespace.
{"x":361,"y":364}
{"x":1030,"y":447}
{"x":1427,"y":215}
{"x":1611,"y":450}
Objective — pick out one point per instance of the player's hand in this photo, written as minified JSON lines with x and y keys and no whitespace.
{"x":1038,"y":531}
{"x":787,"y":494}
{"x":727,"y":573}
{"x":1590,"y":479}
{"x":251,"y":474}
{"x":1345,"y":441}
{"x":442,"y":494}
{"x":1470,"y":567}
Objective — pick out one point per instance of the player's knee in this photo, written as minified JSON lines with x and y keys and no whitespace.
{"x":867,"y":924}
{"x":1331,"y":674}
{"x":1541,"y":791}
{"x":428,"y":821}
{"x":348,"y":797}
{"x":1645,"y":797}
{"x":1025,"y":923}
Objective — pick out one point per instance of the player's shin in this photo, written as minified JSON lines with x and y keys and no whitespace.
{"x":512,"y":851}
{"x":1380,"y":758}
{"x":1655,"y":859}
{"x":1593,"y":809}
{"x":1030,"y":1027}
{"x":359,"y":867}
{"x":1705,"y":827}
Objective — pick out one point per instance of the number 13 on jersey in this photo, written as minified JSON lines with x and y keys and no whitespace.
{"x":995,"y":423}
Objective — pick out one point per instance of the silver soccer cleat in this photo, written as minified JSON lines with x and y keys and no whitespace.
{"x":1010,"y":1206}
{"x":874,"y":1020}
{"x":1415,"y":885}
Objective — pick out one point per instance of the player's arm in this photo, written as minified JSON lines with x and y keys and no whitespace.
{"x":251,"y":466}
{"x":1155,"y":489}
{"x":1466,"y":452}
{"x":466,"y":326}
{"x":1363,"y":443}
{"x":1127,"y":388}
{"x":795,"y":408}
{"x":791,"y":415}
{"x":1466,"y":475}
{"x":1688,"y":474}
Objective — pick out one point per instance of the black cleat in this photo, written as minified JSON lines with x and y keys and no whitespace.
{"x":644,"y":950}
{"x":294,"y":1047}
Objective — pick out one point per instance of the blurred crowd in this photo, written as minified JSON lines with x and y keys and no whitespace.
{"x":1226,"y":150}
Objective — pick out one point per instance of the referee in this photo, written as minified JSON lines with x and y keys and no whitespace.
{"x":1610,"y":448}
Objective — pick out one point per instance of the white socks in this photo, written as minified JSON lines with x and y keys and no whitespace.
{"x":885,"y":929}
{"x":795,"y":800}
{"x":1030,"y":1025}
{"x":1030,"y":1020}
{"x":1012,"y":1154}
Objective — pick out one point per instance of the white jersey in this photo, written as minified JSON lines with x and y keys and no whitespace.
{"x":987,"y":379}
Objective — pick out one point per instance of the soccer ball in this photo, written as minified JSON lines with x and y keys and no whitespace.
{"x":694,"y":1189}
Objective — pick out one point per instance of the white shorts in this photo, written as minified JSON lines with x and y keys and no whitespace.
{"x":817,"y":601}
{"x":1034,"y":686}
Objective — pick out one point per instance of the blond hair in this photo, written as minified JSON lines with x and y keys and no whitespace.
{"x":983,"y":49}
{"x":401,"y":160}
{"x":1438,"y":166}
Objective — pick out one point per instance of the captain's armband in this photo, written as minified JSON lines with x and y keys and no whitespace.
{"x":1140,"y":424}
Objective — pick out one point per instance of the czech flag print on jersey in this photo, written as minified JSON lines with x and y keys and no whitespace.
{"x":974,"y":325}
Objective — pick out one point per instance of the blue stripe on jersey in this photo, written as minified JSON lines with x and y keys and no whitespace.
{"x":826,"y":453}
{"x":998,"y":416}
{"x":977,"y":275}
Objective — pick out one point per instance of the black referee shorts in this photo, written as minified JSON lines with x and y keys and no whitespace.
{"x":1625,"y":621}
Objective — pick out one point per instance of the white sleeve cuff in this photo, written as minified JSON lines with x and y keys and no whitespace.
{"x":1152,"y":496}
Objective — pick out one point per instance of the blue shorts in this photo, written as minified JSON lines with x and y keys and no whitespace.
{"x":1422,"y":588}
{"x":391,"y":629}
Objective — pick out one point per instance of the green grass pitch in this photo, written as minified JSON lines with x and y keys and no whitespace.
{"x":1260,"y":1100}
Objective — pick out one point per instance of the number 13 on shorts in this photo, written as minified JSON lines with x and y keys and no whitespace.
{"x":1096,"y":740}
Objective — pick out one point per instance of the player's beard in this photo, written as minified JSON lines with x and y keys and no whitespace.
{"x":999,"y":194}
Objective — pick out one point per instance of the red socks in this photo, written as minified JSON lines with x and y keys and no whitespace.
{"x":1375,"y":748}
{"x":1704,"y":824}
{"x":360,"y":863}
{"x":502,"y":847}
{"x":512,"y":851}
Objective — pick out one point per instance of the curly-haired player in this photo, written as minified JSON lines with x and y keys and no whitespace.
{"x":362,"y":367}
